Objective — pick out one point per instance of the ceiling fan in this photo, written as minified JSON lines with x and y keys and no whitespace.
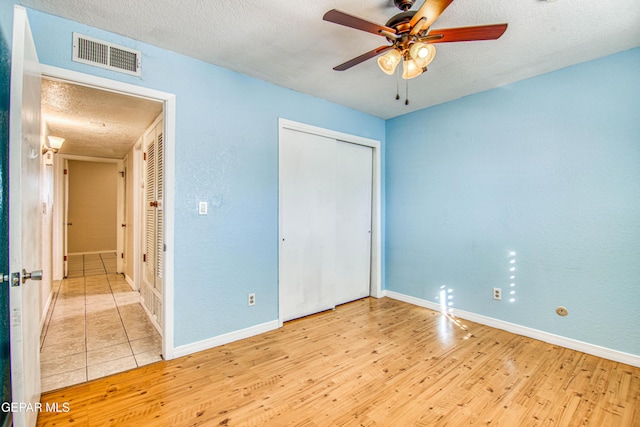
{"x":411,"y":36}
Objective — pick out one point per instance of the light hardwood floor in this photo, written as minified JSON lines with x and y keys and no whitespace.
{"x":368,"y":363}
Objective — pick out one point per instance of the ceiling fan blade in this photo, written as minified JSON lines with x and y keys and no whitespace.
{"x":466,"y":34}
{"x":342,"y":18}
{"x":430,"y":10}
{"x":358,"y":59}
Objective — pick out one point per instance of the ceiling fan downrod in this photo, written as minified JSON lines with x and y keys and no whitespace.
{"x":404,"y":5}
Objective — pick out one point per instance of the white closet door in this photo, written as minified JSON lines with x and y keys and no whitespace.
{"x":153,"y":261}
{"x":159,"y":281}
{"x":354,"y":179}
{"x":150,"y":211}
{"x":307,"y":224}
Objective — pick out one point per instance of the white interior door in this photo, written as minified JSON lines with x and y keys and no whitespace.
{"x":307,"y":224}
{"x":153,"y":261}
{"x":354,"y":179}
{"x":65,"y":226}
{"x":159,"y":260}
{"x":121,"y":224}
{"x":24,"y":218}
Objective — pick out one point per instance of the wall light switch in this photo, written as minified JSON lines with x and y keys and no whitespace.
{"x":202,"y":208}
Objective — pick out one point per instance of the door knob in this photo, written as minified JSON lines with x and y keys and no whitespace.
{"x":34,"y":275}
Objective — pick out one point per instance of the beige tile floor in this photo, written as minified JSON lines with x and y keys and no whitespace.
{"x":96,"y":325}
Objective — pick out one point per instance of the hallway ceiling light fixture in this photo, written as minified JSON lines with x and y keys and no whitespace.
{"x":411,"y":37}
{"x":55,"y":143}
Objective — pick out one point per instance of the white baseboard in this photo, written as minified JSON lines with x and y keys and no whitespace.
{"x":105,"y":251}
{"x":184,"y":350}
{"x":45,"y":311}
{"x":595,"y":350}
{"x":130,"y":282}
{"x":379,"y":293}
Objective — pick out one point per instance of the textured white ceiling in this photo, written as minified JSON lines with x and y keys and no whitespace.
{"x":286,"y":42}
{"x":94,"y":122}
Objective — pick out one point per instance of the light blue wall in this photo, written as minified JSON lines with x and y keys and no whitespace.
{"x":226,"y":154}
{"x":549,"y":168}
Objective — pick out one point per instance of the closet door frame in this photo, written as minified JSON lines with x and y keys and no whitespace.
{"x":376,"y":211}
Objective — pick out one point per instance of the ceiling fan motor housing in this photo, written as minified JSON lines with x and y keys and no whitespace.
{"x":400,"y":22}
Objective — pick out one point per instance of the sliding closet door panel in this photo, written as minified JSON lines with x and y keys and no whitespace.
{"x":307,"y":221}
{"x":354,"y":169}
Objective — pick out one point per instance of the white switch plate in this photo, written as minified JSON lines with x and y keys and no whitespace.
{"x":202,"y":208}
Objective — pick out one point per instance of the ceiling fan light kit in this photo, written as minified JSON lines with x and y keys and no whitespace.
{"x":415,"y":60}
{"x":411,"y":36}
{"x":389,"y":61}
{"x":410,"y":69}
{"x":422,"y":52}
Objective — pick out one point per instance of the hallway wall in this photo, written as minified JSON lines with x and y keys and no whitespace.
{"x":129,"y":219}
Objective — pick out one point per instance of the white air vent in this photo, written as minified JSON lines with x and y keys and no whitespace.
{"x":106,"y":55}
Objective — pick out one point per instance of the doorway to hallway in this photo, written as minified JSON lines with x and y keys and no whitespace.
{"x":95,"y":324}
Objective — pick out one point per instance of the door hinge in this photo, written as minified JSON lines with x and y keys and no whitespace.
{"x":144,"y":257}
{"x":144,"y":156}
{"x":66,"y":172}
{"x":122,"y":255}
{"x":164,"y":247}
{"x":65,"y":257}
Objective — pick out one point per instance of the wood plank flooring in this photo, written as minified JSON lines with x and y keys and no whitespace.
{"x":373,"y":362}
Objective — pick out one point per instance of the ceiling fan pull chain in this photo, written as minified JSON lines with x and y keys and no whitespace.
{"x":398,"y":84}
{"x":406,"y":98}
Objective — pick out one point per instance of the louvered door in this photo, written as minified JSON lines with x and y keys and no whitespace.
{"x":159,"y":246}
{"x":153,"y":259}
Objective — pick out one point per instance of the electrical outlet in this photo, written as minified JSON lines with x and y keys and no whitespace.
{"x":497,"y":293}
{"x":251,"y":299}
